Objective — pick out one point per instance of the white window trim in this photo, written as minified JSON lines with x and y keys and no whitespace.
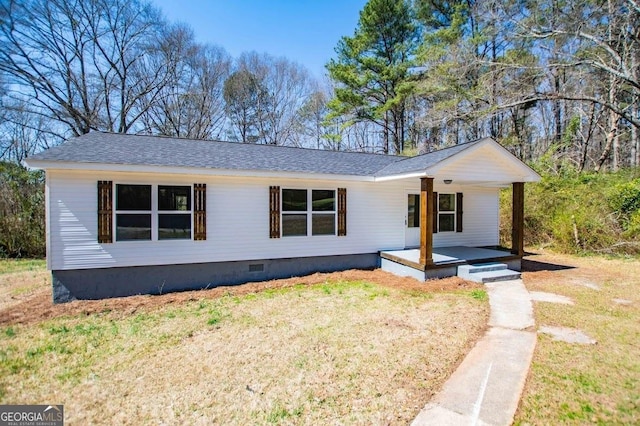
{"x":155,"y":212}
{"x":453,"y":212}
{"x":309,"y":212}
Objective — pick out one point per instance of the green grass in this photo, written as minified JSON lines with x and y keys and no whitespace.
{"x":587,"y":384}
{"x":8,"y":266}
{"x":327,"y":353}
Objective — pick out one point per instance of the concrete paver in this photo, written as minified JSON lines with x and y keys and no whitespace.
{"x":540,"y":296}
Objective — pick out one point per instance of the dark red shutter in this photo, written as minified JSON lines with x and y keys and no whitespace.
{"x":105,"y":211}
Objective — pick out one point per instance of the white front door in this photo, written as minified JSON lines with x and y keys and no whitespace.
{"x":412,"y":221}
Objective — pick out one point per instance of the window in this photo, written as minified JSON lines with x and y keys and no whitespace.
{"x":413,"y":211}
{"x":304,"y":210}
{"x":174,"y":217}
{"x":446,"y":212}
{"x":142,"y":216}
{"x":133,"y":212}
{"x":294,"y":212}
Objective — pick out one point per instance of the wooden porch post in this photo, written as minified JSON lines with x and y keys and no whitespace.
{"x":426,"y":221}
{"x":517,"y":219}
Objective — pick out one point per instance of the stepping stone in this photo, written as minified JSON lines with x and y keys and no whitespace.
{"x":541,"y":296}
{"x":569,"y":335}
{"x":622,"y":301}
{"x":585,"y":283}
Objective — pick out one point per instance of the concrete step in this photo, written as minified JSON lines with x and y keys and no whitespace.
{"x":481,"y":267}
{"x":487,"y":272}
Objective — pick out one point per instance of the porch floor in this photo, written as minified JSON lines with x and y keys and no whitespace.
{"x":445,"y":260}
{"x":447,"y":255}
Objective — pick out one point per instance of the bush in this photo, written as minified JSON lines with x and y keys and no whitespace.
{"x":575,"y":212}
{"x":22,"y":218}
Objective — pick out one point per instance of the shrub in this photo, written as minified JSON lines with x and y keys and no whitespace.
{"x":22,"y":226}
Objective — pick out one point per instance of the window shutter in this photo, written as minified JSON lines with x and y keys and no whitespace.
{"x":105,"y":211}
{"x":459,"y":211}
{"x":435,"y":212}
{"x":342,"y":212}
{"x":199,"y":211}
{"x":274,"y":212}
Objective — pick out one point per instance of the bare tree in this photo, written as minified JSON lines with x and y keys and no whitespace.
{"x":191,"y":104}
{"x":86,"y":64}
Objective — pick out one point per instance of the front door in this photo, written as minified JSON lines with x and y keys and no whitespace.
{"x":412,"y":221}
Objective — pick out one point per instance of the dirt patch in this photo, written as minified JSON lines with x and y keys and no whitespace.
{"x":37,"y":305}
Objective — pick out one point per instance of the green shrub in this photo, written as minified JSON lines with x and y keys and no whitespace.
{"x":22,"y":227}
{"x":580,"y":212}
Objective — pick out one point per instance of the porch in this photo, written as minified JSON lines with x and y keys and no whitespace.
{"x":446,"y":260}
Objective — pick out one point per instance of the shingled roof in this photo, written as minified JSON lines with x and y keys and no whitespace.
{"x":138,"y":150}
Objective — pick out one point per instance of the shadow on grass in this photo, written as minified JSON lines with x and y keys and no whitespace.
{"x":529,"y":265}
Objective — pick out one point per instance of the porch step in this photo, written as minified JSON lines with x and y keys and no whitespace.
{"x":487,"y":272}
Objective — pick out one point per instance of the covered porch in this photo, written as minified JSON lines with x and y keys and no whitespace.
{"x":427,"y":261}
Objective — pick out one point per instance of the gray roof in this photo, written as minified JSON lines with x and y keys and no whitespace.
{"x":122,"y":149}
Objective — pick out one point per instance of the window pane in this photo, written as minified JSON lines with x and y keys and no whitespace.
{"x":413,"y":211}
{"x":294,"y":225}
{"x":323,"y":201}
{"x":294,"y":200}
{"x":447,"y":222}
{"x":130,"y":227}
{"x":174,"y":198}
{"x":446,"y":202}
{"x":133,"y":197}
{"x":174,"y":226}
{"x":323,"y":224}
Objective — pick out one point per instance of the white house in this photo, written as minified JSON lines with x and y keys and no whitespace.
{"x":130,"y":214}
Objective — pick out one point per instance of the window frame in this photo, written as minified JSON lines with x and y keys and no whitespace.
{"x":309,"y":212}
{"x":453,"y":213}
{"x":155,"y":212}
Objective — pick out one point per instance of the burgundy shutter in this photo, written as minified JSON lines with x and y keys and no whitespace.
{"x":435,"y":212}
{"x":459,"y":211}
{"x":199,"y":211}
{"x":342,"y":212}
{"x":105,"y":211}
{"x":274,"y":212}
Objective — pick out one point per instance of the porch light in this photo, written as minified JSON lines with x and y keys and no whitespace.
{"x":448,"y":181}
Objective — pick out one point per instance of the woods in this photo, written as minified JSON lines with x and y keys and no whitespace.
{"x":554,"y":81}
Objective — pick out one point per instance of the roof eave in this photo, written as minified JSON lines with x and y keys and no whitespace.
{"x":157,"y":169}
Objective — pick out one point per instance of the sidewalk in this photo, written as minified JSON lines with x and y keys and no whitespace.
{"x":486,"y":387}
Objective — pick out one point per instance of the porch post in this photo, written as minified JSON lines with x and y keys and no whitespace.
{"x":517,"y":219}
{"x":426,"y":221}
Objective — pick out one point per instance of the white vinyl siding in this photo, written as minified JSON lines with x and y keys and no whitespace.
{"x":237,"y":222}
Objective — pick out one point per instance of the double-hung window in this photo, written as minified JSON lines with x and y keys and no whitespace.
{"x":446,"y":212}
{"x":153,"y":212}
{"x":308,"y":211}
{"x":174,"y":212}
{"x":133,"y":212}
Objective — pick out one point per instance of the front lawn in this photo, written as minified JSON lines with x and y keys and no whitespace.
{"x":323,"y":351}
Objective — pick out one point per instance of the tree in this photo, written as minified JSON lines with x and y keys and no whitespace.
{"x":191,"y":104}
{"x":244,"y":95}
{"x":372,"y":69}
{"x":86,"y":64}
{"x":264,"y":96}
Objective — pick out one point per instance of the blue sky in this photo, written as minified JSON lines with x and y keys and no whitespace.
{"x":304,"y":31}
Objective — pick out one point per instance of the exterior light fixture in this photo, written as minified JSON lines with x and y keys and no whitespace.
{"x":448,"y":181}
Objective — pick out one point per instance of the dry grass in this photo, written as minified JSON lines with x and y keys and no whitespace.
{"x":349,"y":348}
{"x":586,"y":384}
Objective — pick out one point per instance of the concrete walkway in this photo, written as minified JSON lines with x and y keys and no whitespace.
{"x":486,"y":387}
